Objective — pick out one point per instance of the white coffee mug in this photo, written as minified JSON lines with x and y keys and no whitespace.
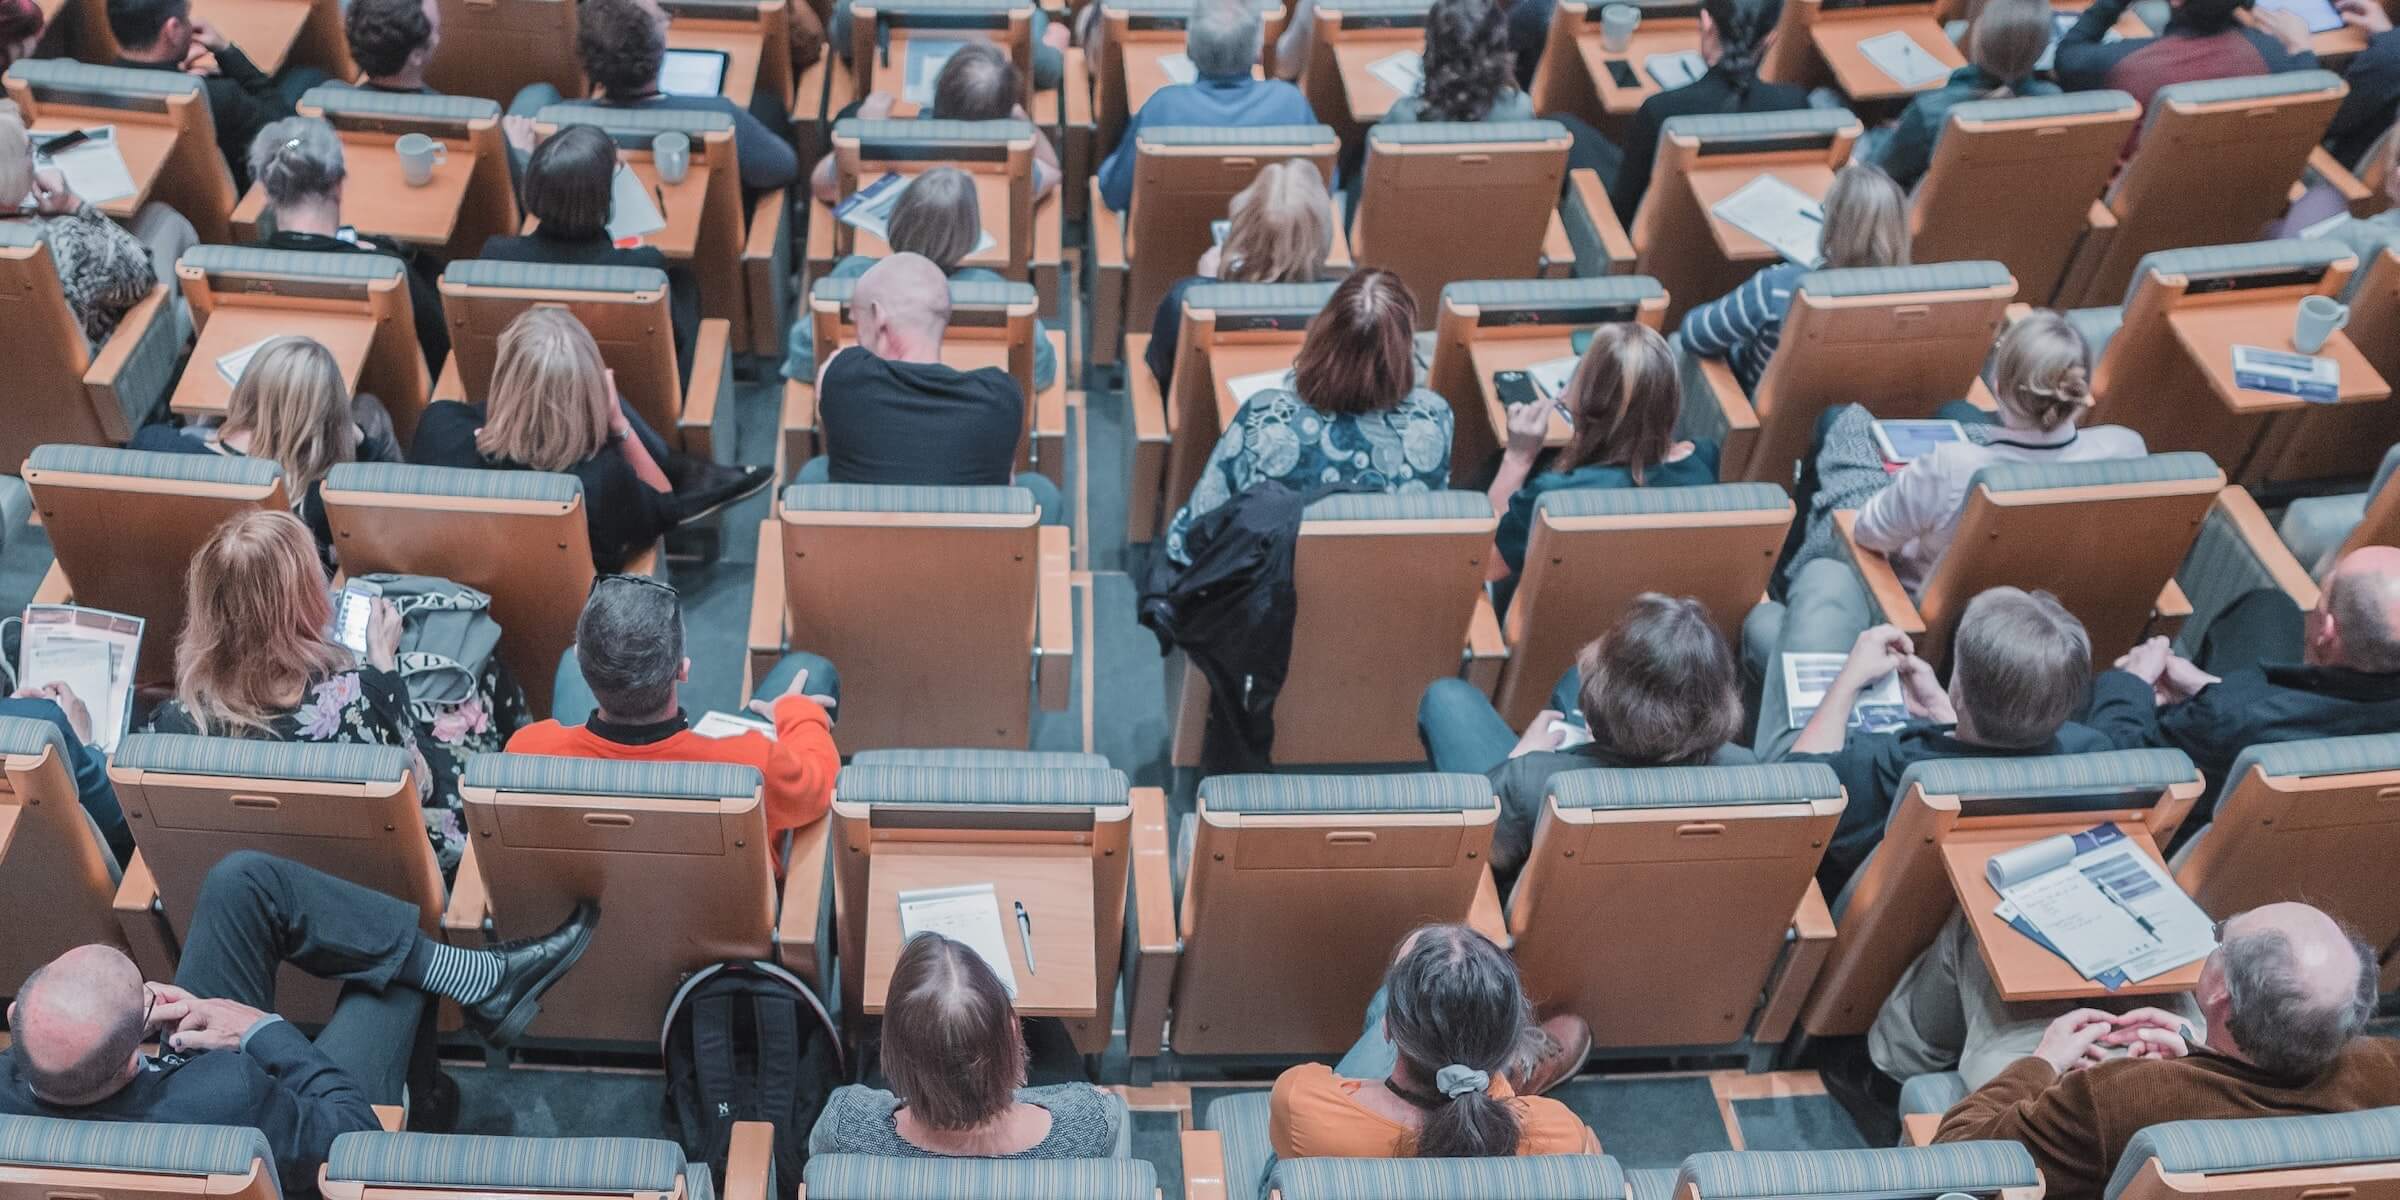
{"x":2319,"y":317}
{"x":418,"y":154}
{"x":1617,"y":23}
{"x":671,"y":153}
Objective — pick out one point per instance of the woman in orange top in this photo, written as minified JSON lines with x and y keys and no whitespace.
{"x":1456,"y":1016}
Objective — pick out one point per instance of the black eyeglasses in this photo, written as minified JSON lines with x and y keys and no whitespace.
{"x":638,"y":580}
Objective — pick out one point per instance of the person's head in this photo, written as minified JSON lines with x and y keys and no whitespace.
{"x":1223,"y":38}
{"x":1280,"y":228}
{"x":20,"y":30}
{"x":1359,"y":355}
{"x":2041,"y":377}
{"x":16,"y":161}
{"x":393,"y":40}
{"x":256,"y":612}
{"x":951,"y":1046}
{"x":937,"y":216}
{"x":1624,"y":400}
{"x":1454,"y":1013}
{"x":2356,"y":622}
{"x":156,"y":30}
{"x":1866,"y":219}
{"x":296,"y":410}
{"x":622,"y":44}
{"x":1734,"y":33}
{"x":78,"y":1024}
{"x":1468,"y":65}
{"x":2206,"y":16}
{"x":629,"y":645}
{"x":568,"y":182}
{"x":902,"y":308}
{"x":1660,"y":687}
{"x":298,"y":162}
{"x":2286,"y":988}
{"x":2021,"y":665}
{"x":550,"y":404}
{"x":977,"y":84}
{"x":2008,"y":37}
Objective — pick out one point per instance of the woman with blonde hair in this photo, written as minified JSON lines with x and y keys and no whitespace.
{"x":1866,"y":225}
{"x":1280,"y":229}
{"x":2003,"y":43}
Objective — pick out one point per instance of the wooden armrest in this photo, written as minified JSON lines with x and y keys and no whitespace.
{"x":796,"y":439}
{"x":470,"y":904}
{"x":2236,"y":505}
{"x":823,"y":233}
{"x":54,"y":588}
{"x":1153,"y":958}
{"x":1151,"y":438}
{"x":749,"y":1160}
{"x":1558,"y":249}
{"x":147,"y":934}
{"x":1917,"y":1129}
{"x":390,"y":1117}
{"x":1811,"y":943}
{"x":766,"y":594}
{"x":2016,"y":312}
{"x":1054,"y":617}
{"x":450,"y":385}
{"x":137,"y":891}
{"x":765,"y":273}
{"x":1585,"y":184}
{"x":1487,"y":646}
{"x":1741,"y":420}
{"x":2099,"y":217}
{"x":100,"y":378}
{"x":1112,"y":239}
{"x":712,"y":378}
{"x":1203,"y":1165}
{"x":767,"y":218}
{"x":1485,"y":914}
{"x":1874,"y":570}
{"x":803,"y":901}
{"x":1075,"y":85}
{"x":1340,"y":258}
{"x":1981,"y":396}
{"x":247,"y":213}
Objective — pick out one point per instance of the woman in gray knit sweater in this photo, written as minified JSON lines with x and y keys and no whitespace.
{"x":955,"y":1056}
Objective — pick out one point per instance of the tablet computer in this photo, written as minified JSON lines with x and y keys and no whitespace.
{"x":693,"y":73}
{"x":1902,"y":442}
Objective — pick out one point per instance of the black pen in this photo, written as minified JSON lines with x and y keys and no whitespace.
{"x":1025,"y":934}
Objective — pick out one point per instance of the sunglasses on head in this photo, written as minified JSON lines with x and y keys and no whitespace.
{"x":636,"y":580}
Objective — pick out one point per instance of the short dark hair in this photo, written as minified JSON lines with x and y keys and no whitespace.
{"x":84,"y":1078}
{"x":621,"y":47}
{"x":2209,"y":16}
{"x":136,"y":24}
{"x":383,"y":33}
{"x":1660,"y":688}
{"x":1359,"y":355}
{"x":951,"y":1046}
{"x":2288,"y":1032}
{"x":568,"y":181}
{"x":2022,"y":664}
{"x":629,"y":646}
{"x":977,"y":84}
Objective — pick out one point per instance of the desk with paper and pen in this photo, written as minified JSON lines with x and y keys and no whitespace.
{"x":2023,"y":968}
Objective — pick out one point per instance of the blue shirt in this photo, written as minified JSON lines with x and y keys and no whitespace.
{"x":92,"y":787}
{"x":1213,"y":100}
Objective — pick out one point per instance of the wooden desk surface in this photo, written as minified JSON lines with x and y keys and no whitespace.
{"x":1489,"y":356}
{"x":1370,"y":97}
{"x":1712,"y":184}
{"x":1056,"y":889}
{"x":1837,"y":40}
{"x":263,"y":29}
{"x":2021,"y":968}
{"x":1228,"y":361}
{"x":740,"y":44}
{"x":1664,"y":37}
{"x":378,"y":199}
{"x":144,"y":146}
{"x":2209,"y":332}
{"x":685,"y":204}
{"x":202,"y":392}
{"x":991,"y":201}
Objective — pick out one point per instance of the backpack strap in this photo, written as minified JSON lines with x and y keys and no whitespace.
{"x":712,"y":1065}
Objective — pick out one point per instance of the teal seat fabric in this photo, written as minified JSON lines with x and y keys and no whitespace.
{"x":1063,"y":787}
{"x":1886,"y":281}
{"x":639,"y":124}
{"x":1905,"y":1171}
{"x":313,"y":762}
{"x":562,"y":277}
{"x":1685,"y":787}
{"x":361,"y":269}
{"x":1650,"y":1183}
{"x":1936,"y":1093}
{"x":603,"y":777}
{"x":2220,"y":568}
{"x":1569,"y":503}
{"x":1798,"y":127}
{"x":1221,"y":135}
{"x":124,"y":1146}
{"x":107,"y":87}
{"x":1530,"y":1177}
{"x":1241,"y":1123}
{"x":1537,"y":295}
{"x":1297,"y":300}
{"x":1458,"y":133}
{"x":339,"y":100}
{"x":1293,"y":795}
{"x":2063,"y":776}
{"x":2182,"y":466}
{"x":886,"y":498}
{"x":2314,"y":526}
{"x":1409,"y":506}
{"x":236,"y":471}
{"x":881,"y":1177}
{"x":457,"y":483}
{"x":593,"y":1164}
{"x":1038,"y":759}
{"x":28,"y":736}
{"x":2261,"y":1144}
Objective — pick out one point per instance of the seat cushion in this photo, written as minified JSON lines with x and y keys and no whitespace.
{"x":1241,"y":1121}
{"x":2118,"y":774}
{"x":877,"y":1177}
{"x":1905,"y":1171}
{"x":1055,"y":787}
{"x":884,"y":498}
{"x":1534,"y":1177}
{"x":542,"y":1164}
{"x":116,"y":1146}
{"x":2265,"y":1143}
{"x":238,"y":471}
{"x":599,"y":777}
{"x":315,"y":762}
{"x":2315,"y":525}
{"x":1305,"y":794}
{"x":1684,"y":787}
{"x":454,"y":483}
{"x":1935,"y":1093}
{"x":2098,"y":326}
{"x":1045,"y":759}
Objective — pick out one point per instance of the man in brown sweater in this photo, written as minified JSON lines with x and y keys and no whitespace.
{"x":2286,"y":993}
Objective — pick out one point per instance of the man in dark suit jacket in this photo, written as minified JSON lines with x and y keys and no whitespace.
{"x":162,"y":35}
{"x":79,"y":1021}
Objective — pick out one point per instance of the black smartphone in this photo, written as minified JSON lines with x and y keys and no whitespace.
{"x":64,"y":142}
{"x":1622,"y":72}
{"x":1515,"y":388}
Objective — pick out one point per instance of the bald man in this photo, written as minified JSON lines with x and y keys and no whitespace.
{"x":892,"y":412}
{"x":2284,"y":998}
{"x":2267,"y":673}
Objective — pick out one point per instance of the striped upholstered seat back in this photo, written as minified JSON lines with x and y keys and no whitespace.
{"x":2305,"y":821}
{"x":489,"y":1166}
{"x":1968,"y":204}
{"x":625,"y":308}
{"x":50,"y":1156}
{"x":880,"y":1177}
{"x":2002,"y":1169}
{"x":2354,"y":1154}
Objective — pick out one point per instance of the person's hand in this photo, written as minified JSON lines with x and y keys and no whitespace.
{"x":2150,"y":1033}
{"x":79,"y":716}
{"x":877,"y":105}
{"x":2181,"y":680}
{"x":199,"y":61}
{"x":51,"y":195}
{"x":1923,"y":692}
{"x":1877,"y":652}
{"x":1057,"y":36}
{"x":168,"y":1006}
{"x":1539,"y":736}
{"x":797,"y":687}
{"x":2365,"y":15}
{"x":2146,"y":661}
{"x":620,"y":426}
{"x":213,"y":1025}
{"x":206,"y":34}
{"x":383,"y":635}
{"x":2286,"y":27}
{"x":1528,"y":429}
{"x":2073,"y":1040}
{"x":519,"y":132}
{"x":1206,"y":268}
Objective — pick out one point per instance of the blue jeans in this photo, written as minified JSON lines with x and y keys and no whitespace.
{"x":1462,"y":732}
{"x":571,"y":701}
{"x":1046,"y":496}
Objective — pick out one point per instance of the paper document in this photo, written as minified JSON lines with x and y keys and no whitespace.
{"x":1178,"y":68}
{"x":1245,"y":386}
{"x":1400,"y":72}
{"x":1424,"y":344}
{"x":926,"y":58}
{"x":870,"y":208}
{"x":230,"y":365}
{"x":1674,"y":70}
{"x":2319,"y":14}
{"x":89,"y":651}
{"x":2098,"y":901}
{"x":1551,"y":377}
{"x":1898,"y":55}
{"x":725,"y":725}
{"x":1807,"y":676}
{"x":633,"y":211}
{"x":94,"y":167}
{"x":969,"y":913}
{"x":1778,"y":214}
{"x":2307,"y":376}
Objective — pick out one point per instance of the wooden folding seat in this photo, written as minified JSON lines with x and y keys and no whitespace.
{"x":1574,"y":73}
{"x":1229,"y":330}
{"x":1026,"y":235}
{"x":429,"y":1166}
{"x":1132,"y":35}
{"x":493,"y":48}
{"x":1447,"y":201}
{"x":2349,"y":440}
{"x":2321,"y":529}
{"x":2014,"y":181}
{"x":124,"y":525}
{"x":883,"y":1177}
{"x":42,"y":1157}
{"x":64,"y":388}
{"x":1236,"y":1147}
{"x":1998,"y":1170}
{"x":1489,"y":326}
{"x":52,"y":859}
{"x":1704,"y":159}
{"x":163,"y":125}
{"x":1349,"y":36}
{"x":356,"y":305}
{"x":2350,"y":1154}
{"x":272,"y":34}
{"x":1816,"y":44}
{"x":467,"y":126}
{"x":988,"y":621}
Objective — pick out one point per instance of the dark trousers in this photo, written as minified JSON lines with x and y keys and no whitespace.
{"x":2261,"y":626}
{"x":1464,"y":733}
{"x":257,"y":912}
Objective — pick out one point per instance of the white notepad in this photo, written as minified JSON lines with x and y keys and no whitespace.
{"x":726,"y":725}
{"x":1807,"y":677}
{"x":1178,"y":68}
{"x":95,"y":167}
{"x":1245,"y":386}
{"x":632,"y":210}
{"x":1400,"y":72}
{"x":1675,"y":70}
{"x":926,"y":58}
{"x":1898,"y":55}
{"x":969,"y":913}
{"x":231,"y":364}
{"x":1778,"y":214}
{"x":1551,"y":377}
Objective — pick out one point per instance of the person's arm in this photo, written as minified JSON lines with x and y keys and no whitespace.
{"x":1116,"y":171}
{"x":1716,"y":329}
{"x":637,"y":455}
{"x":2044,"y":1102}
{"x":61,"y":707}
{"x":2373,"y":76}
{"x":2084,"y":57}
{"x":801,"y":768}
{"x":1906,"y":509}
{"x":1908,"y":150}
{"x":1877,"y":653}
{"x":1633,"y":171}
{"x":2282,"y":39}
{"x":308,"y":1100}
{"x":1528,"y":426}
{"x":767,"y":161}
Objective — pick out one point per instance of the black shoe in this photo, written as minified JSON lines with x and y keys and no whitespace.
{"x":705,"y":487}
{"x":528,"y":966}
{"x":435,"y":1108}
{"x":1869,"y":1097}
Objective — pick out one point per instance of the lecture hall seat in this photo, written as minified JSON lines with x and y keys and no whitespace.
{"x":880,"y":1177}
{"x":2352,"y":1154}
{"x":162,"y":117}
{"x":1445,"y":201}
{"x":2014,"y":181}
{"x":466,"y":125}
{"x":428,"y":1166}
{"x":65,"y":389}
{"x":1234,"y":1147}
{"x":1487,"y":325}
{"x":45,"y":1157}
{"x":52,"y":860}
{"x":257,"y":291}
{"x":1225,"y":328}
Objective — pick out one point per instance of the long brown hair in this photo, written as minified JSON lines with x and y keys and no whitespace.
{"x":550,"y":402}
{"x":1866,"y":219}
{"x":1624,"y":399}
{"x":296,"y":409}
{"x":1359,"y":355}
{"x":1280,"y":227}
{"x":255,"y":617}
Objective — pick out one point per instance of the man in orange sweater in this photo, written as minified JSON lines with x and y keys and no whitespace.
{"x":629,"y":660}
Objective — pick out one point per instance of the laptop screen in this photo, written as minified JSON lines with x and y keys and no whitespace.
{"x":693,"y":73}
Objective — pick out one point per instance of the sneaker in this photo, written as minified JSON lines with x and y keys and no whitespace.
{"x":702,"y":487}
{"x":1553,"y":1053}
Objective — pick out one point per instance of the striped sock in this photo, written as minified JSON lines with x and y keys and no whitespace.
{"x":466,"y":976}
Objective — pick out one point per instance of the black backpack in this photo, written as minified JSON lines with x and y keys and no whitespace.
{"x":747,"y":1041}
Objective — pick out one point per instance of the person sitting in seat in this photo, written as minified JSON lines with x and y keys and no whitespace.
{"x":553,"y":406}
{"x":299,"y":164}
{"x":225,"y":1058}
{"x":1866,"y":225}
{"x":256,"y":660}
{"x":1278,"y":230}
{"x":629,"y":662}
{"x":2285,"y":999}
{"x":1623,"y":403}
{"x":1733,"y":37}
{"x":1050,"y":42}
{"x":102,"y":270}
{"x":21,"y":24}
{"x":1223,"y":39}
{"x":62,"y":708}
{"x":1659,"y":689}
{"x":393,"y":43}
{"x":2267,"y":672}
{"x":977,"y":83}
{"x":955,"y":1055}
{"x":2373,"y":77}
{"x":2005,"y":40}
{"x":2204,"y":39}
{"x":1469,"y":72}
{"x":162,"y":35}
{"x":2020,"y":665}
{"x":1351,"y":411}
{"x":938,"y":216}
{"x":1448,"y":1066}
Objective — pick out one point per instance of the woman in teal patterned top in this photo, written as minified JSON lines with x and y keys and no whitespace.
{"x":1351,"y":415}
